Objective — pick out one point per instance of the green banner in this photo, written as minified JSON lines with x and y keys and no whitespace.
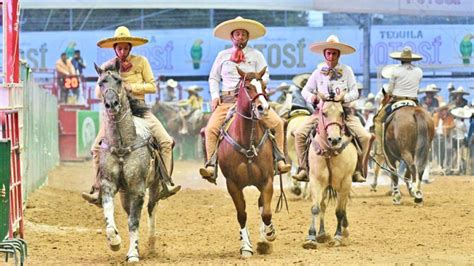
{"x":87,"y":129}
{"x":4,"y":187}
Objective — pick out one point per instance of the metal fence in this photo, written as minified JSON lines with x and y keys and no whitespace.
{"x":40,"y":152}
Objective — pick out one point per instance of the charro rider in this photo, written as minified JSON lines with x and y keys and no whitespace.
{"x":191,"y":108}
{"x":403,"y":85}
{"x":331,"y":78}
{"x":224,"y":71}
{"x":138,"y":78}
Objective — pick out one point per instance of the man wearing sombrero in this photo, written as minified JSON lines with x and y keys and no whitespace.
{"x":331,"y":78}
{"x":138,"y":79}
{"x":458,"y":96}
{"x":191,"y":108}
{"x":429,"y":101}
{"x":403,"y":84}
{"x":223,"y":81}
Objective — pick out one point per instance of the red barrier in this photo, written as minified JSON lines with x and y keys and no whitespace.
{"x":9,"y":129}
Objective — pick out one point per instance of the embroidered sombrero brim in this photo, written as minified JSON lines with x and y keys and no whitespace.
{"x":254,"y":28}
{"x":332,"y":42}
{"x":109,"y":42}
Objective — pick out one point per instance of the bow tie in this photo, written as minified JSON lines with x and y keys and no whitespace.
{"x":333,"y":73}
{"x":238,"y":56}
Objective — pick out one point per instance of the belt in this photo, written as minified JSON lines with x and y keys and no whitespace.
{"x":229,"y":93}
{"x":228,"y":99}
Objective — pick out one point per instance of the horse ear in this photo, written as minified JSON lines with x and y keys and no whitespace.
{"x":98,"y":69}
{"x":241,"y":73}
{"x":340,"y":97}
{"x":262,"y":72}
{"x":117,"y":65}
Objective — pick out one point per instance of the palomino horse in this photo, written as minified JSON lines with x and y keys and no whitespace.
{"x":246,"y":156}
{"x":408,"y":136}
{"x":127,"y":162}
{"x":332,"y":162}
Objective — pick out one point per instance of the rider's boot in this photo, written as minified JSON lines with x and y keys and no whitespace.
{"x":301,"y":176}
{"x":169,"y":189}
{"x":282,"y":166}
{"x":93,"y":197}
{"x":208,"y":172}
{"x":361,"y":172}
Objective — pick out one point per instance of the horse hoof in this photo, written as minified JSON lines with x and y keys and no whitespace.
{"x":296,"y":190}
{"x":345,"y":233}
{"x":244,"y":254}
{"x":114,"y":247}
{"x":113,"y":238}
{"x":310,"y":244}
{"x":132,"y":259}
{"x":264,"y":248}
{"x":373,"y":188}
{"x":336,"y":242}
{"x":323,"y":238}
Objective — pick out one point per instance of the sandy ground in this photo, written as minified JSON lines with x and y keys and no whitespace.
{"x":199,"y":225}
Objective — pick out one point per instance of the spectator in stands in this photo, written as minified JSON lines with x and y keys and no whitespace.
{"x":171,"y":86}
{"x":450,"y":88}
{"x":460,"y":114}
{"x":64,"y":68}
{"x":429,"y":101}
{"x":444,"y":125}
{"x":78,"y":62}
{"x":458,"y":95}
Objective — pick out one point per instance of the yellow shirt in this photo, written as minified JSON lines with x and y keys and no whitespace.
{"x":140,"y":77}
{"x":195,"y":102}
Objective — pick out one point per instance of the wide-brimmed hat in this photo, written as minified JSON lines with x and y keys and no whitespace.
{"x":332,"y":42}
{"x":430,"y":88}
{"x":254,"y":28}
{"x":405,"y":55}
{"x":283,"y":86}
{"x":122,"y":34}
{"x":462,"y":112}
{"x":370,"y":96}
{"x":171,"y":83}
{"x":194,"y":88}
{"x":299,"y":79}
{"x":460,"y":90}
{"x":368,"y":106}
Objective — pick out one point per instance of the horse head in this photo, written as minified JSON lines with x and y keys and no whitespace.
{"x":331,"y":119}
{"x":111,"y":87}
{"x":252,"y":99}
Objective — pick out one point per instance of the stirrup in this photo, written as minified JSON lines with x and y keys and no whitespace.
{"x":166,"y":193}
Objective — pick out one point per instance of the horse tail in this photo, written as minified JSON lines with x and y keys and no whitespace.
{"x":422,"y":141}
{"x":330,"y":193}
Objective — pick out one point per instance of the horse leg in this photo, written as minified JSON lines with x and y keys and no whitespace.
{"x":341,"y":215}
{"x":267,"y":230}
{"x":153,"y":193}
{"x":109,"y":189}
{"x":379,"y":159}
{"x":136,"y":204}
{"x":317,"y":198}
{"x":396,"y":195}
{"x":246,"y":249}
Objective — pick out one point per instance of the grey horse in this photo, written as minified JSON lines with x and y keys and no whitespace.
{"x":127,"y":161}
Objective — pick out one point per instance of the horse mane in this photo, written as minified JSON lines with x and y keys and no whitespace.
{"x":138,"y":109}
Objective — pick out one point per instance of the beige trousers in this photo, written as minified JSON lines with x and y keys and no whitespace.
{"x":164,"y":140}
{"x":271,"y":121}
{"x":352,"y":122}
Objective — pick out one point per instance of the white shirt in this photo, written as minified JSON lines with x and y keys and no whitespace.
{"x":319,"y":82}
{"x":405,"y":81}
{"x":461,"y":129}
{"x":225,"y":70}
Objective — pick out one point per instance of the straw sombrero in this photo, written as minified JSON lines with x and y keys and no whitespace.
{"x":254,"y":28}
{"x":332,"y":42}
{"x":171,"y":83}
{"x":283,"y":86}
{"x":405,"y":55}
{"x":194,"y":88}
{"x":122,"y":34}
{"x":370,"y":96}
{"x":299,"y":79}
{"x":462,"y":112}
{"x":368,"y":106}
{"x":460,"y":90}
{"x":430,"y":88}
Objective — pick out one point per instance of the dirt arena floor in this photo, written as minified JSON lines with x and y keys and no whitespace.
{"x":199,"y":225}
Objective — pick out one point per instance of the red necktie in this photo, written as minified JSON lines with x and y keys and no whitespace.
{"x":238,"y":56}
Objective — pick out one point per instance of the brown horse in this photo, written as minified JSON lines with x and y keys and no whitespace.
{"x":408,"y":136}
{"x":246,"y":156}
{"x":332,"y":162}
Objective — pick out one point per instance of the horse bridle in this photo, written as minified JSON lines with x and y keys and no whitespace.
{"x":119,"y":95}
{"x":341,"y":126}
{"x":252,"y":100}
